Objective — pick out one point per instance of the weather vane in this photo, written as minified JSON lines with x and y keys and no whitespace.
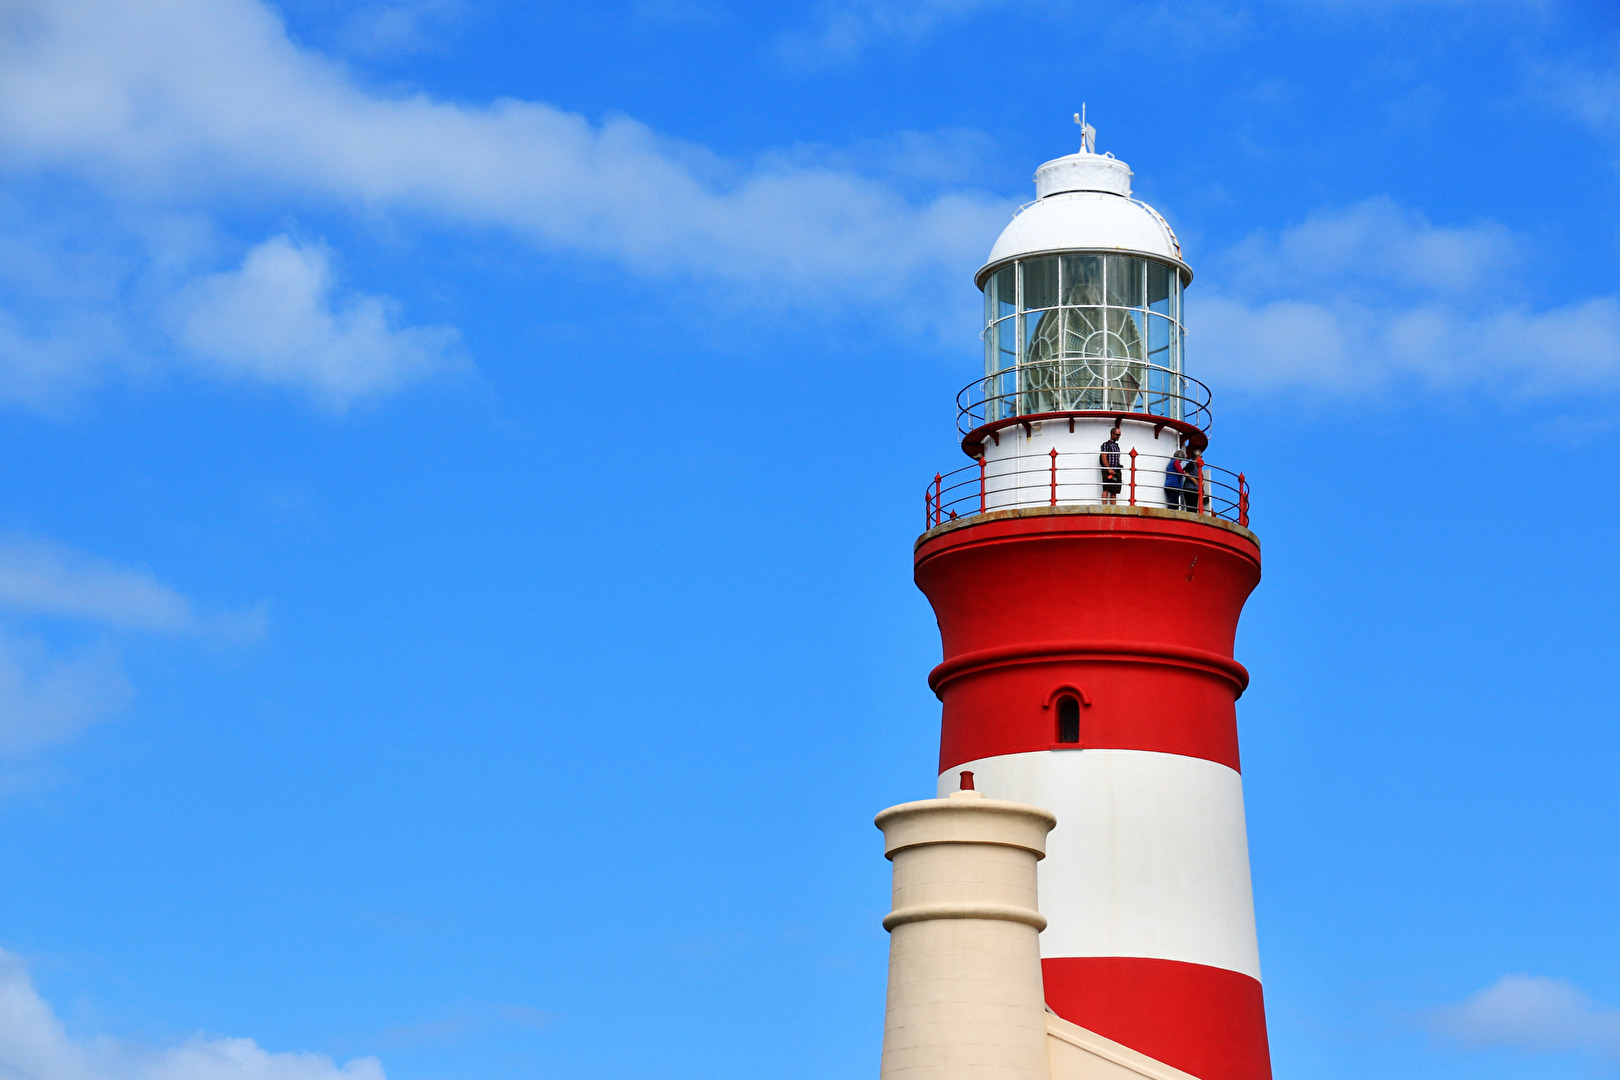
{"x":1088,"y":134}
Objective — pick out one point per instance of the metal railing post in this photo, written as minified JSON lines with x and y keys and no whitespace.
{"x":1133,"y":476}
{"x":1200,"y":462}
{"x":939,"y":504}
{"x":1243,"y":501}
{"x":981,"y":483}
{"x":1054,"y":476}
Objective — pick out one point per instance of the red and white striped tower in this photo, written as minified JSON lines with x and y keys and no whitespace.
{"x":1088,"y":622}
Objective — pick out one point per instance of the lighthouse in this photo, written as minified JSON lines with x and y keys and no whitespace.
{"x":1087,"y":568}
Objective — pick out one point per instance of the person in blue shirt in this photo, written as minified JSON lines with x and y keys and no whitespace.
{"x":1176,"y":482}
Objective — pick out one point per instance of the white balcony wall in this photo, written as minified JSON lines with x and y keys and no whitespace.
{"x":1018,"y":468}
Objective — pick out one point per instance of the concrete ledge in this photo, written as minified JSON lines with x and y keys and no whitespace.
{"x":1004,"y":912}
{"x":966,"y":818}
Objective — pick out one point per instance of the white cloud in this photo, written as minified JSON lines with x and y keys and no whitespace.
{"x":87,"y":284}
{"x":276,"y":320}
{"x":1374,"y":296}
{"x":42,"y":366}
{"x":34,"y":1046}
{"x":207,"y":106}
{"x":209,"y":98}
{"x":207,"y":102}
{"x":1533,"y":1014}
{"x":1376,"y":246}
{"x":42,"y":577}
{"x":47,"y":699}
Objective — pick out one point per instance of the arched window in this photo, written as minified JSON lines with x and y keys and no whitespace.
{"x":1068,"y":718}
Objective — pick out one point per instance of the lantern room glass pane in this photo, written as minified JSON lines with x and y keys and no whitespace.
{"x":1124,"y":336}
{"x":1082,"y":279}
{"x":1007,"y":343}
{"x":1086,"y":333}
{"x":1158,"y":287}
{"x":1040,"y":283}
{"x":1005,"y":284}
{"x":1124,"y":281}
{"x":1158,"y":341}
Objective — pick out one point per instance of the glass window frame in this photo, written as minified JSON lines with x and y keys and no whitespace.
{"x":1002,"y":316}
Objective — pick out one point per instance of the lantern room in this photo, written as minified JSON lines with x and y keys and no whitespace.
{"x":1082,"y":300}
{"x":1084,"y":337}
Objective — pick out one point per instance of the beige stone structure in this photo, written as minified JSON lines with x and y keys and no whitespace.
{"x":965,"y":1000}
{"x":965,"y":995}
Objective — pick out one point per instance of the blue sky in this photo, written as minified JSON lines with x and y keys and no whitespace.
{"x":455,"y":603}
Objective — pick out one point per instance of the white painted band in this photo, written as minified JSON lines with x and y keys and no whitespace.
{"x":1150,"y":856}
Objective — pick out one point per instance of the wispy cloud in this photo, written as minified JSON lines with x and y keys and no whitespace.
{"x":198,"y":98}
{"x":48,"y":694}
{"x":43,"y":577}
{"x":277,"y":320}
{"x":60,"y":321}
{"x":842,"y":30}
{"x":47,"y":698}
{"x":1590,"y":94}
{"x":33,"y":1044}
{"x":1374,"y":297}
{"x":396,"y":27}
{"x":1532,"y":1014}
{"x":44,"y":364}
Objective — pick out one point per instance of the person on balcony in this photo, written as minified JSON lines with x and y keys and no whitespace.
{"x":1112,"y":474}
{"x":1177,"y":484}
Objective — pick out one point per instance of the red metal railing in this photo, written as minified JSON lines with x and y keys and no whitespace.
{"x":1191,"y":485}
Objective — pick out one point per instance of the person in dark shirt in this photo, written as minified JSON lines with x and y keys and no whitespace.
{"x":1112,"y":476}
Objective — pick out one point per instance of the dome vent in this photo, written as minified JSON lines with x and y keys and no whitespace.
{"x":1083,"y":172}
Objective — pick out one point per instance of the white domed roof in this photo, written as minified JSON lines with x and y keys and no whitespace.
{"x":1083,"y":203}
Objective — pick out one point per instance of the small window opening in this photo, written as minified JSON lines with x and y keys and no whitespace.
{"x":1068,"y":711}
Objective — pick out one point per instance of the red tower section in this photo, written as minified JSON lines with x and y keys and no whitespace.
{"x":1132,"y":613}
{"x":1088,"y":570}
